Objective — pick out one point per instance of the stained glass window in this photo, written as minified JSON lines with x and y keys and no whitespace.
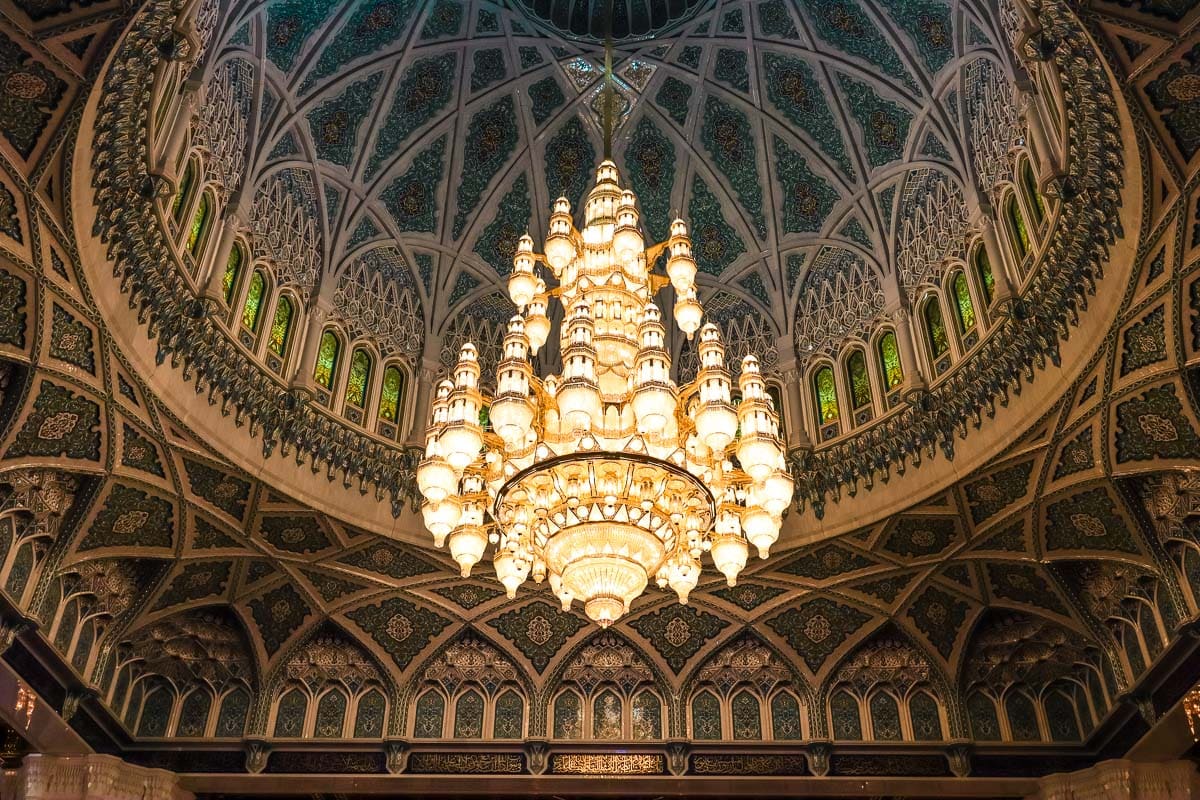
{"x":327,"y":359}
{"x":885,"y":717}
{"x":746,"y":716}
{"x":429,"y":714}
{"x":568,"y":716}
{"x":889,"y":358}
{"x":468,"y":716}
{"x":935,"y":329}
{"x":331,"y":715}
{"x":926,"y":721}
{"x":368,"y":720}
{"x":508,"y":722}
{"x":606,"y":716}
{"x":199,"y":223}
{"x":847,"y":722}
{"x":860,"y":381}
{"x":360,"y":377}
{"x":1060,"y":713}
{"x":289,"y":717}
{"x":389,"y":395}
{"x":963,"y":307}
{"x":826,"y":394}
{"x":232,"y":719}
{"x":706,"y":717}
{"x":156,"y":712}
{"x":785,"y":716}
{"x":281,"y":327}
{"x":254,"y":299}
{"x":193,"y":717}
{"x":1016,"y":224}
{"x":982,"y":713}
{"x":1022,"y":717}
{"x":185,"y":188}
{"x":983,"y":271}
{"x":647,"y":715}
{"x":233,"y":270}
{"x":1029,"y":184}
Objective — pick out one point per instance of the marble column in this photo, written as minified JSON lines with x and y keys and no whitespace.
{"x":169,"y":155}
{"x":795,"y":427}
{"x":1042,"y":144}
{"x":426,"y":374}
{"x":319,"y":311}
{"x":1121,"y":779}
{"x":89,"y":777}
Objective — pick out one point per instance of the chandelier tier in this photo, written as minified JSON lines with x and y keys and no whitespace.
{"x":607,"y":475}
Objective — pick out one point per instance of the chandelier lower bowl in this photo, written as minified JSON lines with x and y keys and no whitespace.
{"x":605,"y":565}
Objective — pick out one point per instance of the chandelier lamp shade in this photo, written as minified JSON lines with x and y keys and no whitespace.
{"x":608,"y":475}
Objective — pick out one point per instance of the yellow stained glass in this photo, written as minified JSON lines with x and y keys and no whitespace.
{"x":185,"y":188}
{"x":889,"y":356}
{"x":199,"y":223}
{"x":327,"y":357}
{"x":983,"y":270}
{"x":253,"y":305}
{"x":826,"y":392}
{"x":935,"y":329}
{"x":360,"y":376}
{"x":962,"y":303}
{"x":1029,"y":184}
{"x":1020,"y":233}
{"x":860,"y":381}
{"x":281,"y":327}
{"x":233,"y":270}
{"x":389,"y":396}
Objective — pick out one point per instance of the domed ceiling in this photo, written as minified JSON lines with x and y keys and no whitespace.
{"x":154,"y":588}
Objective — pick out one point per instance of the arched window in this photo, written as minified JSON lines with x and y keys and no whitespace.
{"x":289,"y":716}
{"x":232,"y":719}
{"x":360,"y":378}
{"x":185,"y":188}
{"x":983,"y":271}
{"x":281,"y":327}
{"x":845,"y":716}
{"x":935,"y":329}
{"x":327,"y":359}
{"x":1060,"y":713}
{"x":926,"y":721}
{"x":860,"y":382}
{"x":233,"y":271}
{"x":746,"y":716}
{"x":706,"y":717}
{"x":389,"y":394}
{"x":331,"y":715}
{"x":785,"y":717}
{"x":606,"y":715}
{"x":468,"y":716}
{"x":568,"y":716}
{"x":1016,"y":227}
{"x":825,"y":393}
{"x":889,"y":361}
{"x":964,"y":309}
{"x":156,"y":712}
{"x":368,"y":719}
{"x":508,"y":721}
{"x":885,"y":717}
{"x":1033,"y":197}
{"x":429,"y":717}
{"x":1022,"y":717}
{"x":193,"y":716}
{"x":647,"y":715}
{"x":199,"y":225}
{"x":252,"y":308}
{"x":981,"y":712}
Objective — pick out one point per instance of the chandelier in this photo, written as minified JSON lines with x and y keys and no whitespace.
{"x":606,"y":475}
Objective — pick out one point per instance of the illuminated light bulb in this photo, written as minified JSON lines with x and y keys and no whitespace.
{"x":511,"y":571}
{"x":560,"y":246}
{"x":683,"y":578}
{"x":761,"y":529}
{"x":627,"y":239}
{"x":729,"y":554}
{"x":513,"y":410}
{"x":436,"y":479}
{"x":441,"y":518}
{"x":758,"y":447}
{"x":537,"y":322}
{"x":777,"y":491}
{"x":522,"y":282}
{"x":467,"y":543}
{"x":688,"y":312}
{"x":681,"y":266}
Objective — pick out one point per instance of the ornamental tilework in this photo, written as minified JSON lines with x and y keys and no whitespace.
{"x":226,"y":492}
{"x":210,"y":537}
{"x":569,"y":161}
{"x":884,"y":124}
{"x":399,"y":627}
{"x":678,"y":632}
{"x":845,"y":26}
{"x":1175,"y":98}
{"x":920,"y":537}
{"x":195,"y":581}
{"x":12,"y":309}
{"x":727,"y":137}
{"x":71,"y":340}
{"x":939,"y":616}
{"x":774,"y":19}
{"x":991,"y":494}
{"x":1009,"y":539}
{"x":278,"y":614}
{"x":539,"y":630}
{"x":489,"y":68}
{"x":62,"y":423}
{"x":732,"y":69}
{"x":138,"y":452}
{"x":468,"y":595}
{"x":886,"y":590}
{"x":650,"y":166}
{"x":673,"y":97}
{"x":411,"y":199}
{"x":1087,"y":521}
{"x":546,"y":96}
{"x":289,"y":24}
{"x":818,"y":627}
{"x":498,"y":243}
{"x":131,"y":518}
{"x":329,"y":587}
{"x":10,"y":216}
{"x":387,"y":559}
{"x":1152,"y":425}
{"x":928,"y":24}
{"x":807,"y":199}
{"x":490,"y":140}
{"x":793,"y":89}
{"x":335,"y":123}
{"x":824,"y":563}
{"x":530,"y":57}
{"x":444,"y":20}
{"x":374,"y":25}
{"x":715,"y":243}
{"x":1076,"y":455}
{"x":29,"y":95}
{"x":748,"y":596}
{"x":417,"y":98}
{"x":1144,"y":342}
{"x":1023,"y":583}
{"x":301,"y":535}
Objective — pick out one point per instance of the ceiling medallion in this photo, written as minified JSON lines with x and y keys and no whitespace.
{"x":608,"y":474}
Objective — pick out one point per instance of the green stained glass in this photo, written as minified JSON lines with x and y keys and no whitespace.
{"x":428,"y":718}
{"x":706,"y":717}
{"x":360,"y":376}
{"x":233,"y":270}
{"x":327,"y":357}
{"x":847,"y":722}
{"x":746,"y":716}
{"x":860,"y":381}
{"x":964,"y":308}
{"x":281,"y":327}
{"x":606,"y":716}
{"x":826,"y":389}
{"x":199,"y":223}
{"x":935,"y":329}
{"x":568,"y":716}
{"x":1016,"y":223}
{"x":468,"y":716}
{"x":889,"y":356}
{"x":254,"y":298}
{"x":647,"y":716}
{"x":983,"y":270}
{"x":185,"y":188}
{"x":1029,"y":184}
{"x":389,"y":396}
{"x":485,"y":418}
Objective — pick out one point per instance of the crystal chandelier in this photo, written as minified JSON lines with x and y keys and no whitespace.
{"x":609,"y":474}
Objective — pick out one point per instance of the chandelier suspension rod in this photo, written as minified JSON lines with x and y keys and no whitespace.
{"x":608,"y":80}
